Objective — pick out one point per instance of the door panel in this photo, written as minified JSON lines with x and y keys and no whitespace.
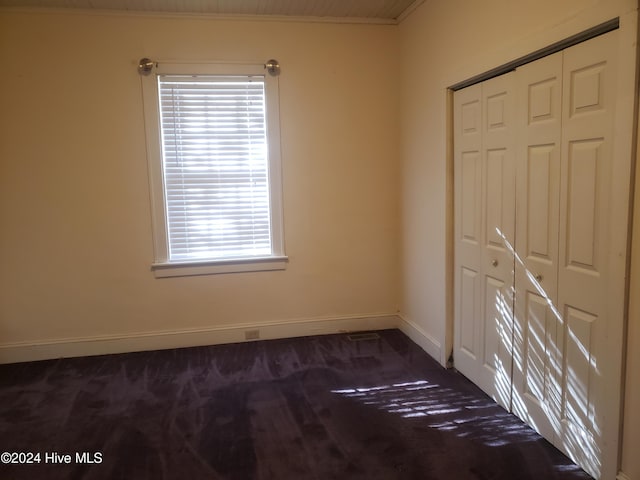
{"x":469,"y":314}
{"x":484,"y":229}
{"x":540,"y":200}
{"x":536,"y":357}
{"x":585,"y":158}
{"x":590,"y":376}
{"x":498,"y":154}
{"x":495,"y":218}
{"x":537,"y":349}
{"x":494,"y":302}
{"x":468,"y":228}
{"x":470,"y":198}
{"x":579,"y":353}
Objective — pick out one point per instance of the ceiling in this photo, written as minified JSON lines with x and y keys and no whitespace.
{"x":384,"y":11}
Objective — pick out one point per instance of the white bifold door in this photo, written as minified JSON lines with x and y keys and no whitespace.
{"x":539,"y":229}
{"x":484,"y":172}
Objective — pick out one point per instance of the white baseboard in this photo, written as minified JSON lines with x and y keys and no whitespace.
{"x":108,"y":344}
{"x":422,"y":338}
{"x":100,"y":345}
{"x":622,"y":476}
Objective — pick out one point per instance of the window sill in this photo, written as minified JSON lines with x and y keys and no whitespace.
{"x":215,"y":267}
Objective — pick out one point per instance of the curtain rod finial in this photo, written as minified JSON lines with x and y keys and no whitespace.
{"x":273,"y":67}
{"x":145,"y":66}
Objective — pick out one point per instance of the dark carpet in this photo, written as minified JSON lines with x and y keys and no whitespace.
{"x":323,"y":407}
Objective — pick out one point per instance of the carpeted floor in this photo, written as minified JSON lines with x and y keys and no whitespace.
{"x":320,"y":408}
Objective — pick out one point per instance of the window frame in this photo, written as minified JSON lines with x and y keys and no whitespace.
{"x":162,"y":266}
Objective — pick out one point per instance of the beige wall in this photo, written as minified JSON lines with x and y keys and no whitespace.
{"x":631,"y":431}
{"x":75,"y":235}
{"x":76,"y":246}
{"x":444,"y":42}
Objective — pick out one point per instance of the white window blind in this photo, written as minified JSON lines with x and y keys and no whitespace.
{"x":215,"y":166}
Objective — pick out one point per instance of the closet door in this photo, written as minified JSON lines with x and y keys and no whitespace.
{"x":552,"y":351}
{"x":569,"y":294}
{"x":485,"y":213}
{"x":468,"y":230}
{"x":498,"y":234}
{"x":591,"y":287}
{"x":537,"y":359}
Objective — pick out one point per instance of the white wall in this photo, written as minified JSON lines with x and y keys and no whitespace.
{"x":444,"y":42}
{"x":76,"y":243}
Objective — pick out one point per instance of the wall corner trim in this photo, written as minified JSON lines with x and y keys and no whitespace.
{"x":427,"y":342}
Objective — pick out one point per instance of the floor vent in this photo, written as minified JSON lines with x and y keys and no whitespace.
{"x":361,"y":337}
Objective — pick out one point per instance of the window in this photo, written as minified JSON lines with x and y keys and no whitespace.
{"x":214,"y":162}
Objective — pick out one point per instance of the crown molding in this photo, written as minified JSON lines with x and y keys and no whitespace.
{"x":204,"y":16}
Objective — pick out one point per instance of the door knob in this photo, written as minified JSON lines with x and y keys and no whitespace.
{"x":494,"y":262}
{"x":539,"y":278}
